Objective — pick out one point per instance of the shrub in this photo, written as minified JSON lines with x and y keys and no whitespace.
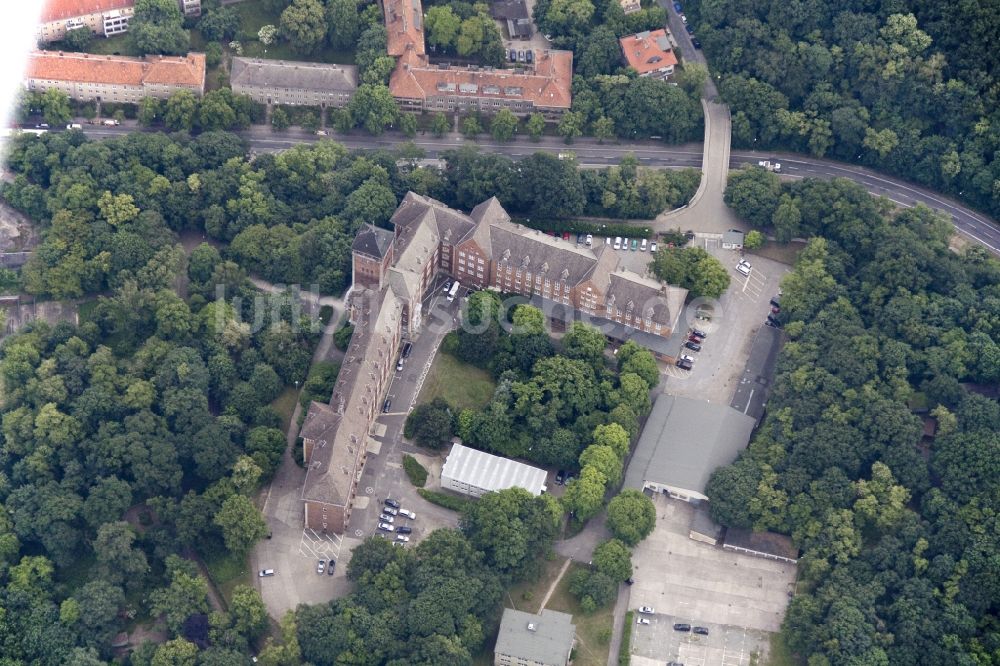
{"x":342,"y":338}
{"x":447,"y":501}
{"x":414,"y":470}
{"x":624,"y":652}
{"x":581,"y":227}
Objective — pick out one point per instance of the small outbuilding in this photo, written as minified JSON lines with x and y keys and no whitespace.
{"x":732,"y":240}
{"x":684,"y":441}
{"x":476,"y":473}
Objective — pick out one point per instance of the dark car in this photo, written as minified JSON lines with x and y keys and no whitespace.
{"x":529,"y":56}
{"x":330,"y":567}
{"x":693,"y":346}
{"x":386,"y":405}
{"x":774,"y":322}
{"x":630,"y":581}
{"x":561,"y":477}
{"x":682,"y":627}
{"x":775,"y":302}
{"x":678,"y":8}
{"x":771,"y":323}
{"x":684,"y":365}
{"x":695,"y":338}
{"x":775,"y":310}
{"x":689,"y":29}
{"x":700,"y":333}
{"x":391,"y":502}
{"x":702,"y":631}
{"x":403,"y":529}
{"x":695,"y":43}
{"x":513,"y":55}
{"x":407,"y":348}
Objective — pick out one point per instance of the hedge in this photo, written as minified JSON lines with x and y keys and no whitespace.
{"x":624,"y":650}
{"x":447,"y":501}
{"x":583,"y":227}
{"x":414,"y":470}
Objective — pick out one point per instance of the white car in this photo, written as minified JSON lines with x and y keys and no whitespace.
{"x":652,"y":247}
{"x":618,"y":242}
{"x":643,"y":245}
{"x":686,"y":357}
{"x":386,"y":519}
{"x":403,"y":538}
{"x":607,"y":241}
{"x":590,"y":240}
{"x":646,"y":610}
{"x":409,"y":514}
{"x":386,"y":527}
{"x":744,"y":267}
{"x":770,"y":166}
{"x":388,"y":510}
{"x":625,"y":244}
{"x":642,"y":620}
{"x":320,"y":132}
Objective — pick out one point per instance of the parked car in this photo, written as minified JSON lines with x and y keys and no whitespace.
{"x":775,"y":310}
{"x":391,"y":503}
{"x":682,"y":627}
{"x":647,"y":610}
{"x":399,"y":365}
{"x":513,"y":55}
{"x":386,"y":405}
{"x":775,"y":302}
{"x":390,"y":510}
{"x":774,"y":322}
{"x":689,"y":29}
{"x":408,"y":347}
{"x":386,"y":527}
{"x":331,"y":565}
{"x":607,"y":240}
{"x":560,"y":477}
{"x":409,"y":514}
{"x":635,"y":244}
{"x":693,"y":346}
{"x":447,"y":286}
{"x":618,"y":242}
{"x":701,"y":631}
{"x":686,"y":357}
{"x":565,"y":235}
{"x":320,"y":566}
{"x":403,"y":529}
{"x":771,"y":322}
{"x":678,"y":8}
{"x":520,"y":55}
{"x":684,"y":365}
{"x":264,"y":573}
{"x":652,"y":247}
{"x":700,"y":333}
{"x":695,"y":43}
{"x":589,"y":240}
{"x":624,"y":243}
{"x":643,"y":245}
{"x":529,"y":56}
{"x":642,"y":620}
{"x":744,"y":268}
{"x":684,"y":19}
{"x":385,"y":518}
{"x":580,"y":238}
{"x":320,"y":132}
{"x":695,"y":338}
{"x":400,"y":537}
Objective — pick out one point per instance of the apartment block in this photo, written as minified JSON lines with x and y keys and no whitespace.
{"x":294,"y":83}
{"x":104,"y":18}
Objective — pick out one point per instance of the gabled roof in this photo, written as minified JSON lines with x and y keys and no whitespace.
{"x":59,"y":10}
{"x":531,"y":250}
{"x":312,"y":76}
{"x":372,"y":241}
{"x":186,"y":70}
{"x":404,"y":25}
{"x":647,"y":296}
{"x":648,"y":51}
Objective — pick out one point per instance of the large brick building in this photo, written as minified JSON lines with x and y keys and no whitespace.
{"x":544,"y":85}
{"x":86,"y":76}
{"x":393,"y":271}
{"x":104,"y":18}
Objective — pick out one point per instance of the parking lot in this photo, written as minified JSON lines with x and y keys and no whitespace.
{"x":738,"y":598}
{"x":734,"y":320}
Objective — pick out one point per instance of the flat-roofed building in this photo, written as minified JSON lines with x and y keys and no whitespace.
{"x":526,"y":639}
{"x":294,"y":83}
{"x":650,"y":53}
{"x":476,"y":473}
{"x":85,"y":76}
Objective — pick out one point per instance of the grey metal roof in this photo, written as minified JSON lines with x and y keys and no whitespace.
{"x":549,"y":642}
{"x":702,"y":523}
{"x":313,"y":76}
{"x":372,"y":241}
{"x":483,"y":470}
{"x":684,"y":441}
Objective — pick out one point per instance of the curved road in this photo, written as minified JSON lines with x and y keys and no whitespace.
{"x":590,"y":153}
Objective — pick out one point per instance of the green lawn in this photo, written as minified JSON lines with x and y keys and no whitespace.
{"x":461,"y":385}
{"x":527,"y":595}
{"x":284,"y":404}
{"x":119,"y":44}
{"x":785,"y":254}
{"x":253,"y":16}
{"x":780,"y":654}
{"x":591,"y":648}
{"x":227,"y":572}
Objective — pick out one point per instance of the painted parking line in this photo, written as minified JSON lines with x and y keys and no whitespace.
{"x":319,"y":546}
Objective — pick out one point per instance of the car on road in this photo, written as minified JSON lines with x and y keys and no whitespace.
{"x":403,"y":529}
{"x":330,"y":566}
{"x":386,"y":527}
{"x":693,"y":346}
{"x":642,"y":620}
{"x":678,"y":8}
{"x":73,"y":126}
{"x":42,"y":126}
{"x":684,"y":365}
{"x":769,"y":165}
{"x":646,"y":610}
{"x":391,"y":502}
{"x":320,"y":132}
{"x":264,"y":573}
{"x":320,"y":566}
{"x":560,"y":477}
{"x":408,"y":347}
{"x":652,"y":247}
{"x":390,"y":510}
{"x":386,"y":518}
{"x":695,"y":43}
{"x":700,"y":333}
{"x":682,"y":627}
{"x":409,"y":514}
{"x":701,"y":631}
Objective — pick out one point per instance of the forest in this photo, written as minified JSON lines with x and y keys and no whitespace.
{"x":904,"y":86}
{"x":879,"y":450}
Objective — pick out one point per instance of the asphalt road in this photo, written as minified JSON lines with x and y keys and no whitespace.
{"x":589,"y":152}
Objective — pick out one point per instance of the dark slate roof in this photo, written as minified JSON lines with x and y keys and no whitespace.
{"x":684,"y":441}
{"x":509,"y":9}
{"x":646,"y":297}
{"x":313,"y":76}
{"x":530,"y":250}
{"x":372,"y":241}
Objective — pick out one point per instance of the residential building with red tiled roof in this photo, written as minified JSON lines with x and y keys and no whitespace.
{"x":86,"y":76}
{"x":650,"y":53}
{"x":404,"y":24}
{"x":546,"y":87}
{"x":105,"y":18}
{"x":630,"y":6}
